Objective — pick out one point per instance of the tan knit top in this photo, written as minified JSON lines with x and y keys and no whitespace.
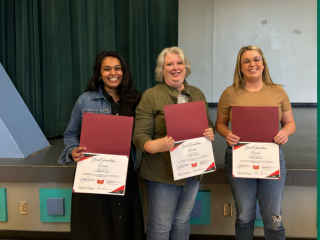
{"x":267,"y":96}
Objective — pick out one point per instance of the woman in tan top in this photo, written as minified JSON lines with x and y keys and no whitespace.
{"x":252,"y":86}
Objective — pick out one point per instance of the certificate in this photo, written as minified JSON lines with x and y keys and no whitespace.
{"x":103,"y":169}
{"x":186,"y":120}
{"x":106,"y":134}
{"x":191,"y":158}
{"x":255,"y":124}
{"x":101,"y":174}
{"x":256,"y":160}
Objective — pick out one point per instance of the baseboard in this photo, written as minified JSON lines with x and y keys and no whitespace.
{"x":223,"y":237}
{"x":35,"y":235}
{"x":44,"y":235}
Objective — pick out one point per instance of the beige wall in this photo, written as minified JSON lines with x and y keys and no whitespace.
{"x":29,"y":192}
{"x":211,"y":32}
{"x":299,"y":210}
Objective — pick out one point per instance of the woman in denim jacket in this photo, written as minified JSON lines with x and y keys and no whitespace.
{"x":96,"y":216}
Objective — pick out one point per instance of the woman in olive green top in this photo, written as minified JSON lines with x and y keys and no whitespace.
{"x":252,"y":86}
{"x":170,"y":202}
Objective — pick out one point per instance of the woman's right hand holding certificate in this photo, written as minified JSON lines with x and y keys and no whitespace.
{"x":159,"y":145}
{"x":76,"y":155}
{"x":232,"y":139}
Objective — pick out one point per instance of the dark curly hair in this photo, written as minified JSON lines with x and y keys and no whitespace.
{"x":129,"y":96}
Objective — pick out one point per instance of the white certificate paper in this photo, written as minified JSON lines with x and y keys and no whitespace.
{"x":101,"y":174}
{"x":256,"y":160}
{"x":192,"y":157}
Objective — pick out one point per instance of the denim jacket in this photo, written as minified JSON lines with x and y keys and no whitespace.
{"x":88,"y":102}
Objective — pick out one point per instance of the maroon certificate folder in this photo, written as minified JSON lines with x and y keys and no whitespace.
{"x":186,"y":120}
{"x":255,"y":124}
{"x":106,"y":134}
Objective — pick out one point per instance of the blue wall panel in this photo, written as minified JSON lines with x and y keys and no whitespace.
{"x":197,"y":209}
{"x":55,"y":206}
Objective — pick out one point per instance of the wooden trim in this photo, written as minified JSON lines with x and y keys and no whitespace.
{"x":214,"y":104}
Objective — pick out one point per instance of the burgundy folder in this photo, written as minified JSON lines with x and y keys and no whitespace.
{"x":106,"y":134}
{"x":186,"y":120}
{"x":255,"y":124}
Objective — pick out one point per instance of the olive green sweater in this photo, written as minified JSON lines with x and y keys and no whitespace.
{"x":150,"y":124}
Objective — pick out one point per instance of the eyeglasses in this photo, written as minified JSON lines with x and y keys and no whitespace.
{"x":255,"y":60}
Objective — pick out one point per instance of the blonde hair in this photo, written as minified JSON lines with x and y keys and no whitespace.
{"x":238,"y":81}
{"x":160,"y":62}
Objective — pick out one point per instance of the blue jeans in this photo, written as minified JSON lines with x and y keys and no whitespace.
{"x":170,"y":208}
{"x":269,"y":194}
